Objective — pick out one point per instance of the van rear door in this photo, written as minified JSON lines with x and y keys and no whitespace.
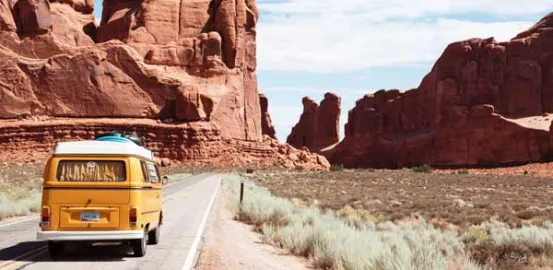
{"x":90,"y":194}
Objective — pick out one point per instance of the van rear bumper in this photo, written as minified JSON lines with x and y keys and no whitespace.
{"x":89,"y":235}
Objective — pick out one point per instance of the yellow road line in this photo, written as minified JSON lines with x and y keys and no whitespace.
{"x":27,"y":255}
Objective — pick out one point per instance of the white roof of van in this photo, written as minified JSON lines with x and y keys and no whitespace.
{"x":102,"y":148}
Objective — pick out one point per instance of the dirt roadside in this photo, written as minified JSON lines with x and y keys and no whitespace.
{"x":231,"y":245}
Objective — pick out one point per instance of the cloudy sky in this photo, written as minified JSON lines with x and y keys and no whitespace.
{"x":353,"y":47}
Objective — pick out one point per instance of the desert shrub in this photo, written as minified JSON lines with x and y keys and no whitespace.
{"x":346,"y":239}
{"x":20,"y":192}
{"x":337,"y":167}
{"x":463,"y":171}
{"x":422,"y":169}
{"x":497,"y":244}
{"x":538,"y":240}
{"x":19,"y":202}
{"x":357,"y":218}
{"x":259,"y":206}
{"x":355,"y":239}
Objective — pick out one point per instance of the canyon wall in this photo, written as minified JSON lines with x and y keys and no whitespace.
{"x":185,"y":65}
{"x":484,"y":103}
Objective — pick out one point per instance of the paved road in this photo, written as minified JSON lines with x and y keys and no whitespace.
{"x":186,"y":205}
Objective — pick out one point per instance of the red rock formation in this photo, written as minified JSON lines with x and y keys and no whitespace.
{"x":143,"y":78}
{"x":176,"y":61}
{"x":469,"y":110}
{"x":267,"y":127}
{"x":318,"y":126}
{"x":33,"y":17}
{"x":198,"y":142}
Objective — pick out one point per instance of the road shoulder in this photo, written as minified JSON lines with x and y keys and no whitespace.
{"x":230,"y":244}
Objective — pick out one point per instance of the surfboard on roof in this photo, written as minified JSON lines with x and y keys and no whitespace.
{"x":107,"y":145}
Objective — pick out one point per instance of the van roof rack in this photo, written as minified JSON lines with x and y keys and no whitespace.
{"x":113,"y":135}
{"x":103,"y":147}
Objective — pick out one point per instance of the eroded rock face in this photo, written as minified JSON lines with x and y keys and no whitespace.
{"x":33,"y":17}
{"x":33,"y":140}
{"x":166,"y":55}
{"x":318,"y":126}
{"x":179,"y":62}
{"x":172,"y":22}
{"x":482,"y":104}
{"x":267,"y":127}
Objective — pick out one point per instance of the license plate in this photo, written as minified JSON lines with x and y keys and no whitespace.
{"x":90,"y":216}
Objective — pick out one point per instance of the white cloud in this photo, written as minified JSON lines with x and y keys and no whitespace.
{"x":379,"y":10}
{"x":332,"y":36}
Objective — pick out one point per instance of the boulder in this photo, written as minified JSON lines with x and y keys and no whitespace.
{"x":32,"y":17}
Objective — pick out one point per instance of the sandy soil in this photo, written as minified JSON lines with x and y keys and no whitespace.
{"x":460,"y":199}
{"x":231,"y":245}
{"x":544,"y":170}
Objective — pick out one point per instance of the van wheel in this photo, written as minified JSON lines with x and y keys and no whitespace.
{"x":153,"y":236}
{"x":139,"y":245}
{"x":56,"y":248}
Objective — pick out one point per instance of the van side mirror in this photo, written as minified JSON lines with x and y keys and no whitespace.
{"x":165,"y":180}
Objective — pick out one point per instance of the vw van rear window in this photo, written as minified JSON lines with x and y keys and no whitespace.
{"x":91,"y":171}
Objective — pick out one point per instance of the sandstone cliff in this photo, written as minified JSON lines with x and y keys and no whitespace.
{"x":199,"y":63}
{"x":175,"y":61}
{"x":482,"y":104}
{"x":318,"y":126}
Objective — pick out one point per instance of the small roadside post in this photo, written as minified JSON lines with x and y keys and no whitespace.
{"x":241,"y":191}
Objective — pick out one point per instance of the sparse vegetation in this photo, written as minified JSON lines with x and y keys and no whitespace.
{"x":443,"y":222}
{"x":458,"y":199}
{"x":178,"y":177}
{"x":422,"y":169}
{"x":463,"y":171}
{"x":346,"y":239}
{"x":356,"y":239}
{"x":501,"y":247}
{"x":20,"y":192}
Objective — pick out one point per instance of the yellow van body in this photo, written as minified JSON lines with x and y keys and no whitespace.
{"x":101,"y":197}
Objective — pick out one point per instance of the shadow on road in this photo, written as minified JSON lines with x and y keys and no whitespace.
{"x":74,"y":252}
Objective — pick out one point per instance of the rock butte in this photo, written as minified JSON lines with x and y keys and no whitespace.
{"x":267,"y":127}
{"x":318,"y":127}
{"x":483,"y":104}
{"x":182,"y":73}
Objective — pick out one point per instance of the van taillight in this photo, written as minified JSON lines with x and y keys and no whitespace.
{"x":132,"y":216}
{"x":45,"y":216}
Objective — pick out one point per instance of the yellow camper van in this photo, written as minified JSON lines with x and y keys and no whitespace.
{"x":108,"y":189}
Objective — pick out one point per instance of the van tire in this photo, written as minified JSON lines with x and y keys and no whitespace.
{"x":56,"y":249}
{"x":153,"y":237}
{"x":139,"y":246}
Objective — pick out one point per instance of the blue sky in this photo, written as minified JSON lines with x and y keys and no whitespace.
{"x":354,"y":47}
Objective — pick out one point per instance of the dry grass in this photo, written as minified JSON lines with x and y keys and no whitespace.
{"x":342,"y":219}
{"x":460,"y":199}
{"x":346,"y":240}
{"x":20,"y":192}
